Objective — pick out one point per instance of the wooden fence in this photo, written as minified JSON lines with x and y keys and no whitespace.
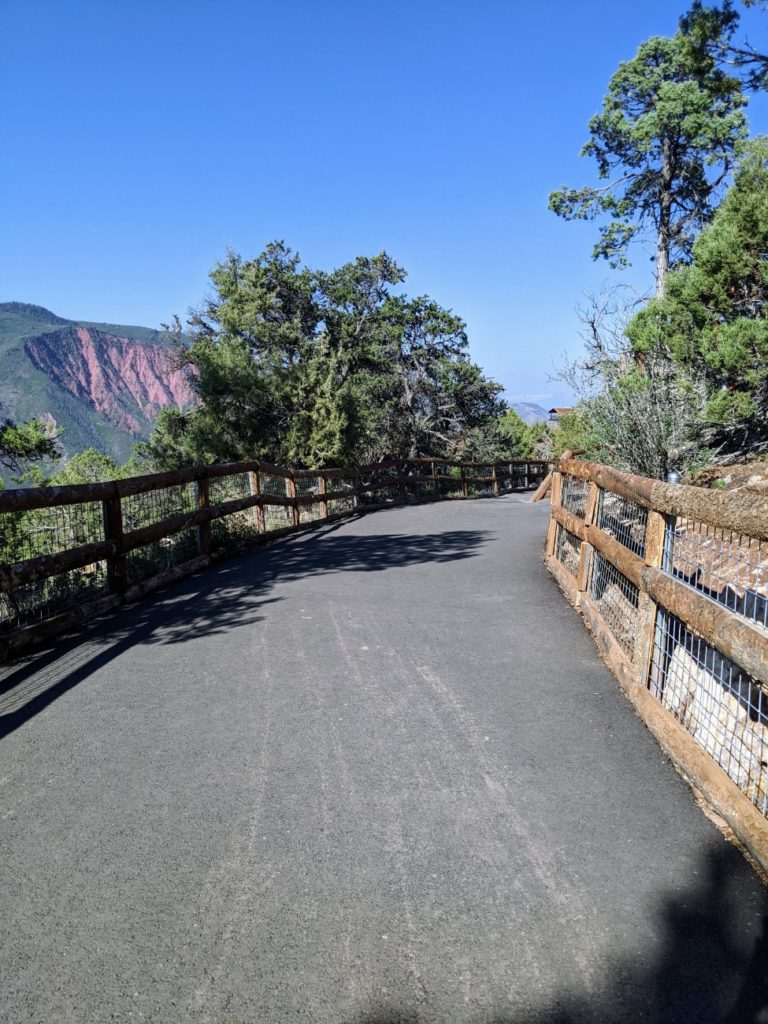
{"x":673,"y":583}
{"x":69,"y":553}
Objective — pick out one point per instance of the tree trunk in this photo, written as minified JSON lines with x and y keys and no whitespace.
{"x":665,"y":218}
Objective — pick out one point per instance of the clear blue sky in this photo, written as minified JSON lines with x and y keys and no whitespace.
{"x":141,"y":138}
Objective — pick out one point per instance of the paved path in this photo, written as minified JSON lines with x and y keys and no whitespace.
{"x":376,"y":773}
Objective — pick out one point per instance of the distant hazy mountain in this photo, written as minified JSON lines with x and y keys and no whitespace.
{"x":103,"y":383}
{"x":529,"y":412}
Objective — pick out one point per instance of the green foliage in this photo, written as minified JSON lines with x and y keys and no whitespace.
{"x":307,"y":367}
{"x":574,"y":432}
{"x":713,"y":320}
{"x":709,"y":33}
{"x":521,"y":440}
{"x":670,"y":125}
{"x":22,"y":443}
{"x":88,"y":467}
{"x":514,"y":433}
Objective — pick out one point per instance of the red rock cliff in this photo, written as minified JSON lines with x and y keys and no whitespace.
{"x":126,"y":381}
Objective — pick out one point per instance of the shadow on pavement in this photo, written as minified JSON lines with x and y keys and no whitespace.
{"x":215,"y":601}
{"x":701,"y":971}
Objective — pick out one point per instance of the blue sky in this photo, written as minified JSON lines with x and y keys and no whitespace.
{"x":141,"y":139}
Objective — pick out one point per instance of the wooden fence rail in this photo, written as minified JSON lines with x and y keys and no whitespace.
{"x":68,"y":553}
{"x":673,"y":583}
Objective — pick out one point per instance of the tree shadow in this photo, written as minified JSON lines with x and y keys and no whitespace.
{"x":226,"y":596}
{"x":710,"y":965}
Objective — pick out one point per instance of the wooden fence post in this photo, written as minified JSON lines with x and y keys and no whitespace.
{"x":292,"y":494}
{"x":557,"y":480}
{"x":258,"y":511}
{"x":323,"y":489}
{"x":586,"y":551}
{"x":464,"y":486}
{"x":117,"y":578}
{"x":203,"y":529}
{"x":495,"y":481}
{"x":655,"y":536}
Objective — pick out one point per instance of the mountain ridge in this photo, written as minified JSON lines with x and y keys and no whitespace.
{"x":102,"y":383}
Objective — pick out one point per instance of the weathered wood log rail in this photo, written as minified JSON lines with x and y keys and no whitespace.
{"x":673,"y":583}
{"x":69,"y":553}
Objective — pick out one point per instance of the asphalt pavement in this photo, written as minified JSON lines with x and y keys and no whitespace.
{"x":374,"y":773}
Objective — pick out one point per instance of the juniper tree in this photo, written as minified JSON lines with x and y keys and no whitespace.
{"x":671,"y":123}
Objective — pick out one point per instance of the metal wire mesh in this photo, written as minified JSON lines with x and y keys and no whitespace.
{"x":729,"y":567}
{"x":273,"y":485}
{"x":520,"y":477}
{"x":573,"y":495}
{"x":723,"y":708}
{"x":276,"y":517}
{"x":43,"y":599}
{"x":567,"y":549}
{"x":617,"y":599}
{"x":377,"y":486}
{"x":477,"y":480}
{"x":141,"y":510}
{"x":235,"y":528}
{"x":229,"y":488}
{"x":168,"y":552}
{"x":46,"y":531}
{"x":305,"y":487}
{"x":153,"y":506}
{"x":623,"y":519}
{"x":346,"y":503}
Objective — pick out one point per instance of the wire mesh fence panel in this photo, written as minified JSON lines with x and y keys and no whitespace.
{"x":235,"y":528}
{"x":623,"y":519}
{"x":47,"y":531}
{"x":36,"y":602}
{"x":277,"y":485}
{"x":152,"y":559}
{"x":617,"y":599}
{"x":537,"y":472}
{"x":379,"y":486}
{"x":277,"y":517}
{"x":567,"y":549}
{"x":310,"y":513}
{"x":479,"y":480}
{"x":729,"y":567}
{"x":308,"y":486}
{"x":346,"y":503}
{"x":153,"y":506}
{"x":450,"y":480}
{"x":573,"y":495}
{"x":229,"y":488}
{"x":723,"y":708}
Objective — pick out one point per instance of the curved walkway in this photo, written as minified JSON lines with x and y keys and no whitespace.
{"x":370,"y":774}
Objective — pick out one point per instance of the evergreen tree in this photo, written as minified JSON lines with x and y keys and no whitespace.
{"x":714,"y":318}
{"x":671,"y":124}
{"x":306,"y":367}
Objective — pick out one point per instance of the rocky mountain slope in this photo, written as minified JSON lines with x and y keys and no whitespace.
{"x":530,"y":412}
{"x":102,"y":383}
